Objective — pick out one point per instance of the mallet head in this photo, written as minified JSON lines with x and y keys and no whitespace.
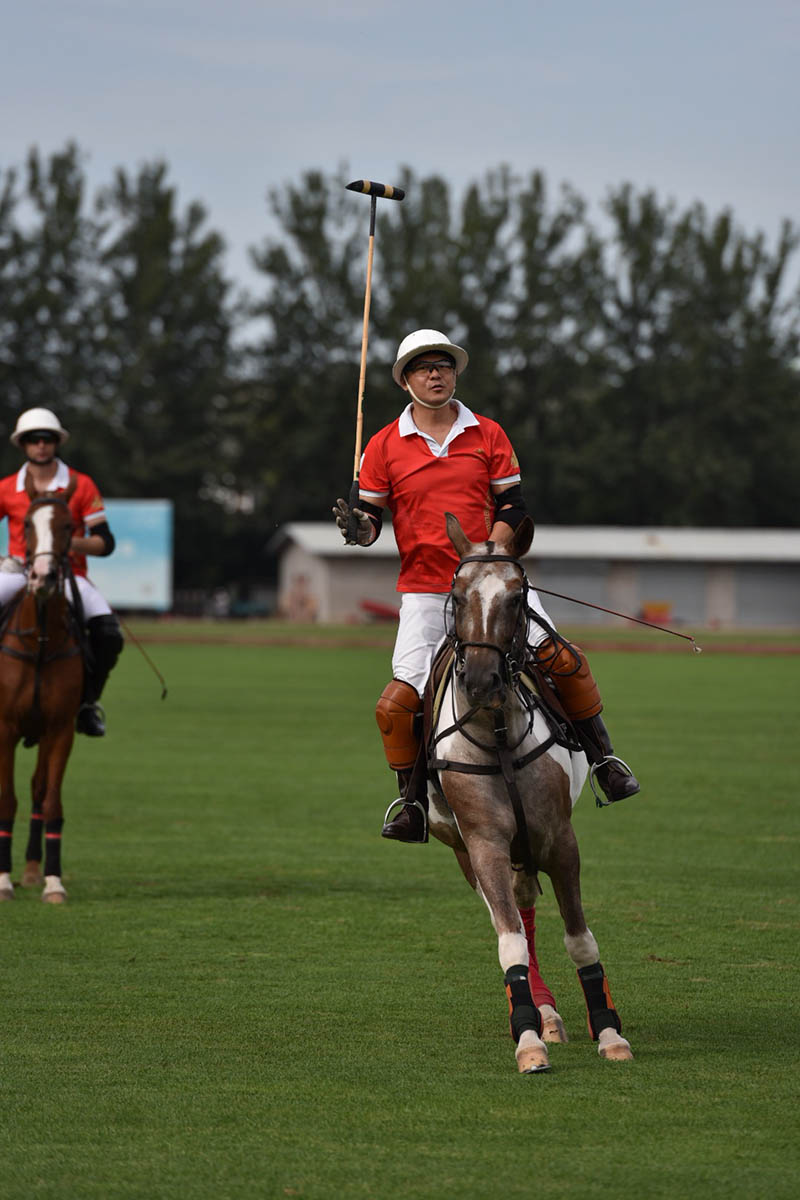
{"x":384,"y":190}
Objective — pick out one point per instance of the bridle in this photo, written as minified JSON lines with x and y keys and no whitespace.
{"x":512,"y":659}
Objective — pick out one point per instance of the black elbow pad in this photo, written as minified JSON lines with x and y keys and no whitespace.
{"x":510,"y":506}
{"x":102,"y":530}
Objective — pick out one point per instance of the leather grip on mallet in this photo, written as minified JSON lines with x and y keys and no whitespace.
{"x":352,"y":522}
{"x":385,"y":190}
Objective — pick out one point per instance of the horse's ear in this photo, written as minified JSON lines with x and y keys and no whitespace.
{"x":30,"y":487}
{"x":70,"y":488}
{"x":522,"y":537}
{"x":461,"y":543}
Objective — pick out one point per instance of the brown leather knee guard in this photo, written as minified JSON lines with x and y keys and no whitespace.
{"x":395,"y":713}
{"x":576,"y":688}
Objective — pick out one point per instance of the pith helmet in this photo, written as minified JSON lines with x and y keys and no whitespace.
{"x":34,"y":420}
{"x":422,"y":340}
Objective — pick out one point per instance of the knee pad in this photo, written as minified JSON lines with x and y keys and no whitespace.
{"x":396,"y":713}
{"x":572,"y":679}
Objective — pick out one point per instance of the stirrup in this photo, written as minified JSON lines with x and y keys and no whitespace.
{"x":595,"y":767}
{"x":415,"y":804}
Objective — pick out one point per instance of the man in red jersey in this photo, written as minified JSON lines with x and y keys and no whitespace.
{"x":39,"y":434}
{"x":439,"y":457}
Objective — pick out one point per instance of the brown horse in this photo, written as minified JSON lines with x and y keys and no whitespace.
{"x":505,"y":792}
{"x":41,"y":679}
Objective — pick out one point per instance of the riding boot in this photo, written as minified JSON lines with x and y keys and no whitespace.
{"x":614,"y":776}
{"x":399,"y":713}
{"x":105,"y":645}
{"x":570,"y":675}
{"x":411,"y":823}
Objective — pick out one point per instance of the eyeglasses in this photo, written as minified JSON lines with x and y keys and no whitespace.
{"x":441,"y":365}
{"x":31,"y":438}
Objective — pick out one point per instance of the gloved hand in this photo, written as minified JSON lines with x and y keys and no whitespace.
{"x":365,"y":530}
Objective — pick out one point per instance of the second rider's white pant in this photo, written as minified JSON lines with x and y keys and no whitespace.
{"x":94,"y":605}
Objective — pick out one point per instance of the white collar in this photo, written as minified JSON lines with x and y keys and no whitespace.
{"x":464,"y":418}
{"x":60,"y":479}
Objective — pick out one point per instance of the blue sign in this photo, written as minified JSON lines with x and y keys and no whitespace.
{"x":139,"y":572}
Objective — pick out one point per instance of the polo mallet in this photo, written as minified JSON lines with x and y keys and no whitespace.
{"x":387,"y":192}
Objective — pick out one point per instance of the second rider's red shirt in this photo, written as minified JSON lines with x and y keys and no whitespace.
{"x":86,"y":506}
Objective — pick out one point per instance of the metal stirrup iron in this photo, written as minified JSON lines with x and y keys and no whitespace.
{"x":595,"y":767}
{"x":403,"y":803}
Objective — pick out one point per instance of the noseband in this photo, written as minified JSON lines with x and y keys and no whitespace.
{"x":511,"y":658}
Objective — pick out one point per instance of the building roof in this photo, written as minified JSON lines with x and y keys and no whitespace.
{"x":607,"y":542}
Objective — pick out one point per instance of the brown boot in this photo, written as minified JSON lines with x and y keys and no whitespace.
{"x":411,"y":822}
{"x":614,"y":776}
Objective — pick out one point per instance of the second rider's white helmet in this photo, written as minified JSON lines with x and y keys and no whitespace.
{"x":38,"y":420}
{"x":418,"y":343}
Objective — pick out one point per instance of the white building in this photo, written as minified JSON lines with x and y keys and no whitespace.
{"x":714,"y":578}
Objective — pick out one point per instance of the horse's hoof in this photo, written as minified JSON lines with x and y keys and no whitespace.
{"x":54,"y":891}
{"x":531,"y":1054}
{"x":6,"y":894}
{"x":32,"y":875}
{"x":616,"y":1050}
{"x":553,"y":1030}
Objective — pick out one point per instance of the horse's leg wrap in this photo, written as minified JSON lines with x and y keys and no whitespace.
{"x":6,"y":830}
{"x":569,"y":671}
{"x":398,"y":716}
{"x":52,"y":846}
{"x":106,"y":642}
{"x":33,"y":852}
{"x":522,"y":1011}
{"x":600,"y":1011}
{"x":539,"y":990}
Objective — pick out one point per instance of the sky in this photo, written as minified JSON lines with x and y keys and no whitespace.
{"x":697,"y":99}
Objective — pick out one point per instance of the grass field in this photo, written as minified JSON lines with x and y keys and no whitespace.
{"x":250,"y":994}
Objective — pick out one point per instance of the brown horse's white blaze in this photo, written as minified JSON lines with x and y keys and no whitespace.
{"x":41,"y":678}
{"x":478,"y":819}
{"x":43,"y":570}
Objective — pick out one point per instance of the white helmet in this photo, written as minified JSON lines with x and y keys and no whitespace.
{"x":36,"y":420}
{"x":422,"y":340}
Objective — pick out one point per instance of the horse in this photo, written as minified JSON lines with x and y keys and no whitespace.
{"x":41,"y":682}
{"x":501,"y":789}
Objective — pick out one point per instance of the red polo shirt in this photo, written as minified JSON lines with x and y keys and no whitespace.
{"x":420,"y":481}
{"x":86,"y":506}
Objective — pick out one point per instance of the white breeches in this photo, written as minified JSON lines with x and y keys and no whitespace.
{"x":421,"y":633}
{"x":94,"y":605}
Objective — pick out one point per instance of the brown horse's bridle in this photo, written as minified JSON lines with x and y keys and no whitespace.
{"x":39,"y":502}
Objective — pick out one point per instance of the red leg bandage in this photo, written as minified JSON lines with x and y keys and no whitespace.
{"x":539,"y":990}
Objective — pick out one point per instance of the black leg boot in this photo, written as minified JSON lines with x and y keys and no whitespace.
{"x":614,"y":776}
{"x":411,"y":823}
{"x":105,"y":643}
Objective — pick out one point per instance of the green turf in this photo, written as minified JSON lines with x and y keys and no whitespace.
{"x":250,"y":994}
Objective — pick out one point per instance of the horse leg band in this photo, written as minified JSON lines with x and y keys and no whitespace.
{"x":522,"y":1012}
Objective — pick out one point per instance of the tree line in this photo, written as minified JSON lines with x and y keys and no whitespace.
{"x":646,"y":363}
